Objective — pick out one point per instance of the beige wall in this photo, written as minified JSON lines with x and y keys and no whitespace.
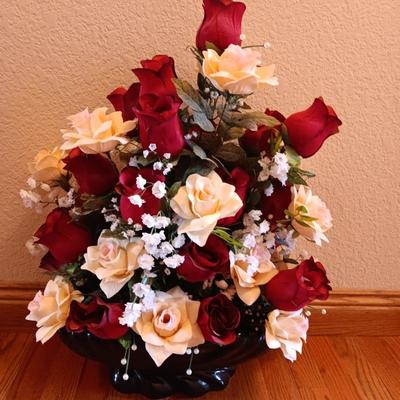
{"x":57,"y":57}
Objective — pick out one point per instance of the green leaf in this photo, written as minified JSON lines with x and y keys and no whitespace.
{"x":212,"y":46}
{"x":250,"y":120}
{"x":173,"y":190}
{"x":201,"y":167}
{"x":234,"y":133}
{"x":125,"y":341}
{"x":293,"y":158}
{"x":230,"y":153}
{"x":200,"y":119}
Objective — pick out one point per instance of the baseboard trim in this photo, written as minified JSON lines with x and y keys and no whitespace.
{"x":349,"y":312}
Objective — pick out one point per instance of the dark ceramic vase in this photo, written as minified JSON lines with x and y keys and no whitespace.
{"x":211,"y":368}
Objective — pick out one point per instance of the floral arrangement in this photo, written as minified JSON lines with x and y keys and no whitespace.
{"x":176,"y":216}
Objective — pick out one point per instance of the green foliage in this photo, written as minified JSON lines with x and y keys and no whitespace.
{"x":230,"y":153}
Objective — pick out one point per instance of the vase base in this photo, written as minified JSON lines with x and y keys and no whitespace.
{"x":158,"y":387}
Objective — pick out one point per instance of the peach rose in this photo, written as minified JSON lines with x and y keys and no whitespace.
{"x":237,"y":70}
{"x":96,"y":132}
{"x":114,"y":262}
{"x":310,"y":216}
{"x":202,"y":202}
{"x":50,"y":309}
{"x":171,"y":327}
{"x":47,"y":165}
{"x":285,"y":330}
{"x":249,"y":272}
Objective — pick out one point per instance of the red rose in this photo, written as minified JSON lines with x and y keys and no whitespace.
{"x":98,"y":318}
{"x":273,"y":207}
{"x":95,"y":174}
{"x":65,"y":239}
{"x":307,"y":130}
{"x":124,"y":100}
{"x":159,"y":123}
{"x":256,"y":142}
{"x":127,"y":187}
{"x":158,"y":106}
{"x":218,"y":319}
{"x":222,"y":24}
{"x":293,"y":289}
{"x":202,"y":263}
{"x":156,"y":76}
{"x":241,"y":180}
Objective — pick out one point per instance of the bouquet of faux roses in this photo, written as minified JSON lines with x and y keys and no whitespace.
{"x":176,"y":215}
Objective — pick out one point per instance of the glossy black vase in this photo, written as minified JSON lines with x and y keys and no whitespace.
{"x":211,"y":368}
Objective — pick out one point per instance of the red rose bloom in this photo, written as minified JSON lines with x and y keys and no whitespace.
{"x":127,"y":187}
{"x":125,"y":100}
{"x":158,"y":106}
{"x":202,"y":263}
{"x":256,"y":142}
{"x":98,"y":318}
{"x":218,"y":319}
{"x":65,"y":239}
{"x":95,"y":174}
{"x":307,"y":130}
{"x":222,"y":24}
{"x":273,"y":207}
{"x":293,"y":289}
{"x":241,"y":180}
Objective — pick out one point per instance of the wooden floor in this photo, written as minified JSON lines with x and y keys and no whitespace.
{"x":330,"y":368}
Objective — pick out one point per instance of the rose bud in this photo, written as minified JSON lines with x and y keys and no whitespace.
{"x":293,"y":289}
{"x":308,"y":129}
{"x":127,"y":187}
{"x":202,"y":263}
{"x":241,"y":180}
{"x":158,"y":107}
{"x":95,"y":174}
{"x":256,"y":142}
{"x":273,"y":207}
{"x":97,"y":317}
{"x":65,"y":239}
{"x":222,"y":24}
{"x":124,"y":100}
{"x":218,"y":319}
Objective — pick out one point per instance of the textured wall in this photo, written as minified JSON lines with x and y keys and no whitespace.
{"x":57,"y":57}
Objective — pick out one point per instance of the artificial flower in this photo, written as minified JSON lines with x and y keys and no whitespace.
{"x":285,"y":330}
{"x":292,"y":289}
{"x":94,"y":173}
{"x":307,"y":130}
{"x":222,"y":24}
{"x":124,"y":100}
{"x":65,"y":239}
{"x":241,"y":180}
{"x":218,"y":319}
{"x":171,"y":328}
{"x":145,"y":202}
{"x":202,"y":263}
{"x":47,"y":166}
{"x":97,"y":317}
{"x":158,"y":106}
{"x":249,"y":273}
{"x":96,"y":132}
{"x":310,"y":216}
{"x":51,"y":308}
{"x":202,"y":202}
{"x":113,"y":261}
{"x":237,"y":70}
{"x":273,"y":206}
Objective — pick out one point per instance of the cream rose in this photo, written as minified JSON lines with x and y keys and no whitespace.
{"x":202,"y":202}
{"x":237,"y":70}
{"x":171,"y":327}
{"x":249,"y":272}
{"x":47,"y":165}
{"x":50,"y":309}
{"x":96,"y":132}
{"x":114,"y":262}
{"x":285,"y":330}
{"x":310,"y":216}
